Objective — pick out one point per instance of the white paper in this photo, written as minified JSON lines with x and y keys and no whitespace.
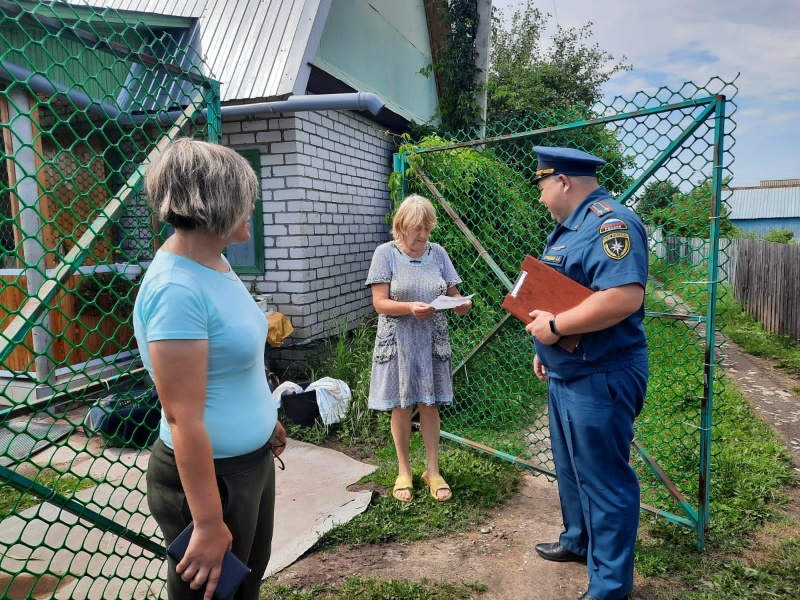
{"x":445,"y":302}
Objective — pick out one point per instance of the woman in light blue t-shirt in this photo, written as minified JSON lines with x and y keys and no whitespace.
{"x":201,"y":337}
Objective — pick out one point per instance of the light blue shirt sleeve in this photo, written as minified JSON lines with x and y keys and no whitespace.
{"x":190,"y":322}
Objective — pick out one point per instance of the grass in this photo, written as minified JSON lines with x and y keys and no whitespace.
{"x":479,"y":483}
{"x":374,"y":589}
{"x":752,"y":547}
{"x":751,"y":336}
{"x":13,"y":501}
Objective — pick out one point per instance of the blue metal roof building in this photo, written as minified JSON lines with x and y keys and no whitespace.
{"x":773,"y":205}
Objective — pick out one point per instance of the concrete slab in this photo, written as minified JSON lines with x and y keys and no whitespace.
{"x":311,"y":497}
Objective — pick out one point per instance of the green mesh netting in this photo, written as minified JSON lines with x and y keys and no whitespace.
{"x":666,"y":161}
{"x":87,"y":97}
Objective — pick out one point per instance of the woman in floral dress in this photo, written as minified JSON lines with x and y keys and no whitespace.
{"x":411,"y":360}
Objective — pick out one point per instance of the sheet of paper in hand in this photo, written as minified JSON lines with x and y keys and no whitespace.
{"x":445,"y":302}
{"x":540,"y":287}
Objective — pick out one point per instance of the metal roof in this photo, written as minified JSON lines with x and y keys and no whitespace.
{"x":257,"y":49}
{"x":764,"y":202}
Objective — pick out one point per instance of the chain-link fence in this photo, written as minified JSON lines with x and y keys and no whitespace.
{"x":87,"y":97}
{"x":665,"y":160}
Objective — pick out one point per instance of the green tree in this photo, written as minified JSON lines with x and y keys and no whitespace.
{"x":657,"y":196}
{"x":689,"y":215}
{"x":455,"y":70}
{"x":780,"y":236}
{"x":525,"y":79}
{"x":532,"y":87}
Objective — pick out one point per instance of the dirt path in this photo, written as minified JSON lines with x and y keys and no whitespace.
{"x":500,"y":551}
{"x":772,"y":393}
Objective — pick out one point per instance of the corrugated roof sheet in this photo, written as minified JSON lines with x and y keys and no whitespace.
{"x":257,"y":49}
{"x":764,"y":202}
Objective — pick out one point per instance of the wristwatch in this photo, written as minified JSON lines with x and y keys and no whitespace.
{"x":553,"y":327}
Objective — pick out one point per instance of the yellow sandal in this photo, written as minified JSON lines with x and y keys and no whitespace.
{"x":403,"y":482}
{"x":437,"y":483}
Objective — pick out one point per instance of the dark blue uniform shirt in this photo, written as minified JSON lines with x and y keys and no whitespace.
{"x":602,"y":245}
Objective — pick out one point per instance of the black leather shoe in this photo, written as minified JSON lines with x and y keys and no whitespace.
{"x":588,"y":596}
{"x":557,"y":553}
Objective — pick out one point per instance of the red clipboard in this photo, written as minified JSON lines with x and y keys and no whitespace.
{"x":540,"y":287}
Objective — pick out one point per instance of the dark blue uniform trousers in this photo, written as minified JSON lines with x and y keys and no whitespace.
{"x":591,"y":430}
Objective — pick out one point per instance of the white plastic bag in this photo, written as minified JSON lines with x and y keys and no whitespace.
{"x":333,"y":399}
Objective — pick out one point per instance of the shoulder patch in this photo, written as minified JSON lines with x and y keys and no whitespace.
{"x":612,"y":224}
{"x":600,"y":208}
{"x":617,"y":245}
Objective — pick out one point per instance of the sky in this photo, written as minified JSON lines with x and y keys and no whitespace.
{"x":669,"y":43}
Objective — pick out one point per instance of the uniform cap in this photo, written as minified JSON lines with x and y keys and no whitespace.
{"x":565,"y":161}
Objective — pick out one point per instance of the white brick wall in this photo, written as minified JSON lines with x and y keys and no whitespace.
{"x":325,"y":199}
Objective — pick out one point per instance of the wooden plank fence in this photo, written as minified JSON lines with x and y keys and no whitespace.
{"x":764,"y":276}
{"x":694,"y":251}
{"x":767,"y":285}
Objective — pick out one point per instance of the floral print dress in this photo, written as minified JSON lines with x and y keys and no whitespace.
{"x":411,"y":359}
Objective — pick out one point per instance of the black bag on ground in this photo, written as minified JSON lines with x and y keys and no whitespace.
{"x":129,"y":421}
{"x":301,"y":407}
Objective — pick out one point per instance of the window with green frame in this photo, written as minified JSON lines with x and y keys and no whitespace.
{"x":248,"y":257}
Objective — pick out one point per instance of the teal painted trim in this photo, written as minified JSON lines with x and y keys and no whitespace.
{"x":213,"y":111}
{"x":399,"y":29}
{"x":89,"y":39}
{"x":55,"y":59}
{"x":480,"y":345}
{"x":23,"y":484}
{"x":669,"y":516}
{"x":673,"y":490}
{"x":401,"y":166}
{"x":497,"y":453}
{"x":257,"y":222}
{"x":690,"y":318}
{"x":707,"y":412}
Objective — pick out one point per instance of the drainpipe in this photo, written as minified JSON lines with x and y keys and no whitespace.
{"x":482,"y":36}
{"x":354,"y":101}
{"x":41,"y":85}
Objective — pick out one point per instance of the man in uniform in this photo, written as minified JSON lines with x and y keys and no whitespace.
{"x":595,"y":392}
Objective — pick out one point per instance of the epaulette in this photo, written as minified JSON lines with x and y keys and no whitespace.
{"x":600,"y":208}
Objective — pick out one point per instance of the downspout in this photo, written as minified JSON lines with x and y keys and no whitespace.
{"x":353,"y":101}
{"x":40,"y":84}
{"x":482,"y":58}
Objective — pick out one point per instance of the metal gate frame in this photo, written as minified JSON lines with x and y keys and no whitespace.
{"x":204,"y":108}
{"x":713,"y":109}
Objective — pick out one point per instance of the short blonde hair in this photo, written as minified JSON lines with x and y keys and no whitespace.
{"x":415,"y":210}
{"x":194,"y":184}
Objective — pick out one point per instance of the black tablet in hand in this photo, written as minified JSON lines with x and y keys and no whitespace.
{"x":233,"y":570}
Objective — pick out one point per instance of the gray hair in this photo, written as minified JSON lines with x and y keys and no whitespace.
{"x":413,"y":211}
{"x":199,"y":185}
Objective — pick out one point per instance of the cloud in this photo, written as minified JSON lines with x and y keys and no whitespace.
{"x":690,"y":40}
